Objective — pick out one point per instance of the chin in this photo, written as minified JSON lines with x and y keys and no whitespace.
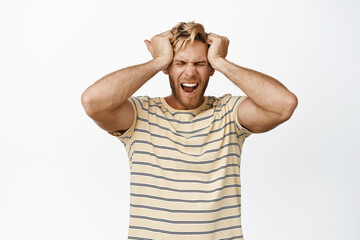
{"x":188,"y":101}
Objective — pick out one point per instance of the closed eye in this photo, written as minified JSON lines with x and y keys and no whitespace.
{"x":201,"y":64}
{"x":196,"y":64}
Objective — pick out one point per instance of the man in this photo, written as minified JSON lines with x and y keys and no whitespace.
{"x":184,"y":149}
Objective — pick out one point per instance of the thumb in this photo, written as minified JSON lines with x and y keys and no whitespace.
{"x":148,"y":44}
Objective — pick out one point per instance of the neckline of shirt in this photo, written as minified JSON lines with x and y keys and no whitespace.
{"x":195,"y":110}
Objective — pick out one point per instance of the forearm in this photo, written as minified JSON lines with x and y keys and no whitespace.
{"x":265,"y":91}
{"x":112,"y":90}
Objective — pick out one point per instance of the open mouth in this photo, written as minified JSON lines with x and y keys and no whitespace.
{"x":189,"y":87}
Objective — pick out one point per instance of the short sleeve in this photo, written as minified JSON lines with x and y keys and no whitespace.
{"x":138,"y":104}
{"x":239,"y":128}
{"x":231,"y":104}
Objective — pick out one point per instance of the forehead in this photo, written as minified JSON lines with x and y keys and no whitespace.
{"x":196,"y":51}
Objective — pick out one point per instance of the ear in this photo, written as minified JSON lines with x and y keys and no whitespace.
{"x":165,"y":71}
{"x":212,"y":70}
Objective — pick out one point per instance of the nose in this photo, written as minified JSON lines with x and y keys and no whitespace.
{"x":190,"y":70}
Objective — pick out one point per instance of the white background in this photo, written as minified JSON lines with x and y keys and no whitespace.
{"x":62,"y":177}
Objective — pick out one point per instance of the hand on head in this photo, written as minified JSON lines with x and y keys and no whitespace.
{"x":161,"y":48}
{"x":218,"y":47}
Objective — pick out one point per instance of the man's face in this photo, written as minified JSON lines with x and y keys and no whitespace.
{"x":189,"y":74}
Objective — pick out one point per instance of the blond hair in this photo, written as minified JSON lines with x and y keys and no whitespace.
{"x":185,"y":32}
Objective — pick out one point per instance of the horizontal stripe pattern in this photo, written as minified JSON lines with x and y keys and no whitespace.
{"x":185,"y":170}
{"x":185,"y":211}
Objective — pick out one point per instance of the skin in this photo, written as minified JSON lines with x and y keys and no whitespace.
{"x":269,"y":103}
{"x":190,"y":65}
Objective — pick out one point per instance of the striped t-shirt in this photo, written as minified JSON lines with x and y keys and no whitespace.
{"x":185,"y":170}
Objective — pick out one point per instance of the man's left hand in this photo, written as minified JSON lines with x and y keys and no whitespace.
{"x":218,"y":48}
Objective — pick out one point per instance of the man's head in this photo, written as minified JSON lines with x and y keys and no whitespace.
{"x":189,"y":72}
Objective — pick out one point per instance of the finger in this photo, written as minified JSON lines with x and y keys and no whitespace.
{"x":166,"y":32}
{"x":169,"y":35}
{"x":211,"y":38}
{"x":214,"y":35}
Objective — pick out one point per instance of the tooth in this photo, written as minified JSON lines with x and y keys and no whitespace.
{"x":189,"y":84}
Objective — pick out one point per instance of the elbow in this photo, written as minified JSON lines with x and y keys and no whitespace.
{"x":86,"y":103}
{"x":290,"y":104}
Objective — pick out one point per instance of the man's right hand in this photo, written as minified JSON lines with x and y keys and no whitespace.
{"x":161,"y":48}
{"x":107,"y":100}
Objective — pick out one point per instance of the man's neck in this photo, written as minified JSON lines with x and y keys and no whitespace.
{"x":174,"y":103}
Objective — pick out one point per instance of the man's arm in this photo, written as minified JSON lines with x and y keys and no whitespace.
{"x":269,"y":103}
{"x":106,"y":101}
